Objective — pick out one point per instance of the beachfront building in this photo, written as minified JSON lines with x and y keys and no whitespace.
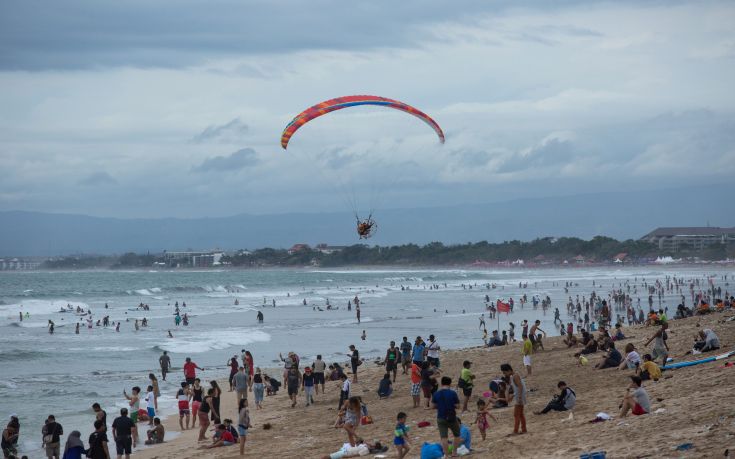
{"x":192,"y":259}
{"x":328,"y":249}
{"x":690,"y":237}
{"x":298,"y":248}
{"x":18,"y":264}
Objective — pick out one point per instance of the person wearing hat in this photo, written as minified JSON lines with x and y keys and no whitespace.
{"x":307,"y":384}
{"x":465,"y":382}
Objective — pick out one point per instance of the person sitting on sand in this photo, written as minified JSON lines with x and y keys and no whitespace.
{"x":618,"y":335}
{"x":708,"y":341}
{"x":385,"y":387}
{"x":570,"y":340}
{"x":637,"y":402}
{"x":682,"y":312}
{"x":499,"y":392}
{"x":222,"y":437}
{"x":632,"y":358}
{"x":338,"y":370}
{"x":703,"y":308}
{"x":648,"y":369}
{"x":156,"y":434}
{"x":586,"y":337}
{"x":566,"y":400}
{"x":612,"y":359}
{"x":494,"y":340}
{"x":590,"y":345}
{"x":603,"y":342}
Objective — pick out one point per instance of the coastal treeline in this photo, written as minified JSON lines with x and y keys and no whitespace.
{"x":540,"y":251}
{"x":543,"y":251}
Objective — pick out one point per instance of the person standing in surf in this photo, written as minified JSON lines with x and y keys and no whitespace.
{"x":165,"y":362}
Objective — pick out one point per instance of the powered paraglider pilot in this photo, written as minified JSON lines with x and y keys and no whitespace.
{"x":365,"y":227}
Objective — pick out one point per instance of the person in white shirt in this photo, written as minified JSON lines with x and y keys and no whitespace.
{"x":632,"y":358}
{"x":345,"y":393}
{"x":432,"y":351}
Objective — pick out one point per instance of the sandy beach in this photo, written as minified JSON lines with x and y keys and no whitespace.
{"x":692,"y":405}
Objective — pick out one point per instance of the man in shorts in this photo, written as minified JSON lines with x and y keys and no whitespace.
{"x":406,"y":355}
{"x":190,"y":371}
{"x":122,"y":432}
{"x":318,"y":367}
{"x":432,"y":351}
{"x":391,"y":360}
{"x":637,"y":402}
{"x":165,"y":362}
{"x":51,"y":437}
{"x":445,"y":401}
{"x":240,"y":380}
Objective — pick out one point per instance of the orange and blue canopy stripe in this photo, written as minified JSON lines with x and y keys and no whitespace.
{"x":351,"y":101}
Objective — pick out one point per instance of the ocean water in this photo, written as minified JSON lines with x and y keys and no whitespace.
{"x":64,"y":373}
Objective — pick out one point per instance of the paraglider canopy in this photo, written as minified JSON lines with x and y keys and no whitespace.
{"x":350,"y":101}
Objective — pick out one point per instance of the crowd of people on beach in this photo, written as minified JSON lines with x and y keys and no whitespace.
{"x":599,"y":330}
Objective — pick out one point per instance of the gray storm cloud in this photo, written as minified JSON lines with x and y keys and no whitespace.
{"x":157,"y":98}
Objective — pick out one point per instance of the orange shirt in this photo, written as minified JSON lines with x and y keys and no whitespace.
{"x":415,"y":374}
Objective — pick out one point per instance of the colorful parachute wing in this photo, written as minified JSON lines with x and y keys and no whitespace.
{"x":351,"y":101}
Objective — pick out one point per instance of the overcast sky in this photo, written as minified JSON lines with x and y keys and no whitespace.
{"x":175,"y":108}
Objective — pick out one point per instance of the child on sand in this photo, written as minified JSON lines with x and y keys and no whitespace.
{"x":150,"y":400}
{"x":482,"y":414}
{"x":416,"y":384}
{"x":183,"y":396}
{"x":401,"y":440}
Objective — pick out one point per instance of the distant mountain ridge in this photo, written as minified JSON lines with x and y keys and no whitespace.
{"x":621,"y":215}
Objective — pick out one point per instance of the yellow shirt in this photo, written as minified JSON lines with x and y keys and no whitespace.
{"x":653,"y":370}
{"x":527,"y":347}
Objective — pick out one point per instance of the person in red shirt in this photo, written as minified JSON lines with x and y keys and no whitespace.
{"x":416,"y":384}
{"x":223,"y":437}
{"x":190,"y":370}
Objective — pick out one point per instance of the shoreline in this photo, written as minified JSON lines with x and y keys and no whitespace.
{"x":396,"y":268}
{"x":686,"y":416}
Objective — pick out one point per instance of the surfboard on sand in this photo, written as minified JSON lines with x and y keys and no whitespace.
{"x":673,"y":366}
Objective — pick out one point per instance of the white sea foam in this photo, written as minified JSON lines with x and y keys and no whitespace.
{"x":41,"y":307}
{"x":198,"y":342}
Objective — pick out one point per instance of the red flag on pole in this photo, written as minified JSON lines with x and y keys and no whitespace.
{"x":503,"y":307}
